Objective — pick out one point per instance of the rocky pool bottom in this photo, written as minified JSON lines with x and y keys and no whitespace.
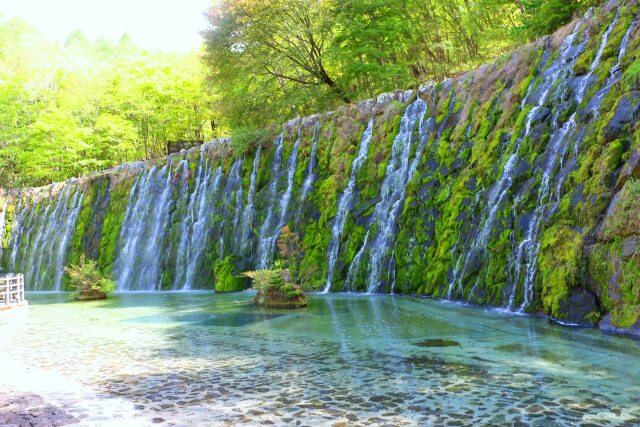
{"x":207,"y":359}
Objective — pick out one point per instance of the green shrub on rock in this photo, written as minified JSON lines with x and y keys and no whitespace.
{"x":275,"y":289}
{"x":88,"y":282}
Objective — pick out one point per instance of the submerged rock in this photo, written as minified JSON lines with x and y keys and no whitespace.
{"x":437,"y":342}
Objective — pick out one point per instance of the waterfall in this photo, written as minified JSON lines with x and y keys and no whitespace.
{"x":195,"y":223}
{"x":204,"y":212}
{"x":131,"y":231}
{"x":311,"y":176}
{"x":68,"y":231}
{"x":386,"y":211}
{"x":16,"y":233}
{"x":186,"y":224}
{"x":41,"y":244}
{"x":149,"y":278}
{"x":229,"y":194}
{"x":237,"y":209}
{"x":583,"y":84}
{"x":614,"y":72}
{"x":272,"y":224}
{"x":33,"y":264}
{"x":3,"y":224}
{"x":344,"y":204}
{"x":267,"y":226}
{"x":146,"y":217}
{"x":553,"y":77}
{"x":249,"y":210}
{"x":558,"y":146}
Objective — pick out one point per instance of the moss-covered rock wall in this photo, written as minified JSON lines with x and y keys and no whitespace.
{"x":525,"y":193}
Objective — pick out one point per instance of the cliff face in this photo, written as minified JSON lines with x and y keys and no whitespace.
{"x":513,"y":185}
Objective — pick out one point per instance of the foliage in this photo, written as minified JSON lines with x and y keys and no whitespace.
{"x":624,"y":219}
{"x":262,"y":279}
{"x":542,"y":17}
{"x":625,"y":316}
{"x":271,"y":58}
{"x":87,"y":279}
{"x":273,"y":280}
{"x":85,"y":106}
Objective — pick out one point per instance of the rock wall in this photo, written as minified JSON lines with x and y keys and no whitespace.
{"x":514,"y":185}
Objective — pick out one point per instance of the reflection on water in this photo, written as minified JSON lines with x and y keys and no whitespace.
{"x":201,"y":358}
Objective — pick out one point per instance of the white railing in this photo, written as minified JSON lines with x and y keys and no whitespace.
{"x":11,"y":289}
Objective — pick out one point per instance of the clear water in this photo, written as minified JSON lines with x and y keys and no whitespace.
{"x":205,"y":359}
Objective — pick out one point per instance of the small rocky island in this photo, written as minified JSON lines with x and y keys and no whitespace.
{"x":87,"y":280}
{"x":276,"y":289}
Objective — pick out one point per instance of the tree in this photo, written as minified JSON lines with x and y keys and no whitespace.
{"x":85,"y":106}
{"x":272,"y":56}
{"x":270,"y":59}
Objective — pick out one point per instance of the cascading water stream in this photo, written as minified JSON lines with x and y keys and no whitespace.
{"x":263,"y":240}
{"x":270,"y":229}
{"x":614,"y":72}
{"x":41,"y":235}
{"x":3,"y":225}
{"x":34,"y":264}
{"x":229,"y":193}
{"x":16,"y":232}
{"x":557,"y":148}
{"x":199,"y":236}
{"x":150,"y":272}
{"x":238,"y":204}
{"x":555,"y":72}
{"x":67,"y":232}
{"x":131,"y":230}
{"x":146,"y":217}
{"x":248,"y":213}
{"x":186,"y":225}
{"x":397,"y":176}
{"x":584,"y":82}
{"x":311,"y":176}
{"x":344,"y":205}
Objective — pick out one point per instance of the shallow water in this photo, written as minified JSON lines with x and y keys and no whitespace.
{"x":207,"y":359}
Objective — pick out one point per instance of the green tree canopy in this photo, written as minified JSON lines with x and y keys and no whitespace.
{"x":85,"y":106}
{"x":270,"y":59}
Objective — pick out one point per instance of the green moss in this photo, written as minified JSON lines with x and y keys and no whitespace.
{"x":227,"y":276}
{"x":559,"y":263}
{"x":624,"y":220}
{"x":625,"y":316}
{"x":114,"y":216}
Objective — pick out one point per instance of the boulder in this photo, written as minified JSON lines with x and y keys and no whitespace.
{"x":574,"y":309}
{"x":625,"y":113}
{"x":631,"y":169}
{"x":474,"y":261}
{"x":90,"y":295}
{"x":274,"y":298}
{"x":607,"y":327}
{"x":629,"y":246}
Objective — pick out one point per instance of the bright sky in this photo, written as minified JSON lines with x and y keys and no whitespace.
{"x":167,"y":25}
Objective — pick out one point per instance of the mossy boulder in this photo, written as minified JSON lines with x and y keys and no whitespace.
{"x":632,"y":330}
{"x":90,"y":295}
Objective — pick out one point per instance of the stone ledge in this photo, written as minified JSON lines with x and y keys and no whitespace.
{"x":608,"y":328}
